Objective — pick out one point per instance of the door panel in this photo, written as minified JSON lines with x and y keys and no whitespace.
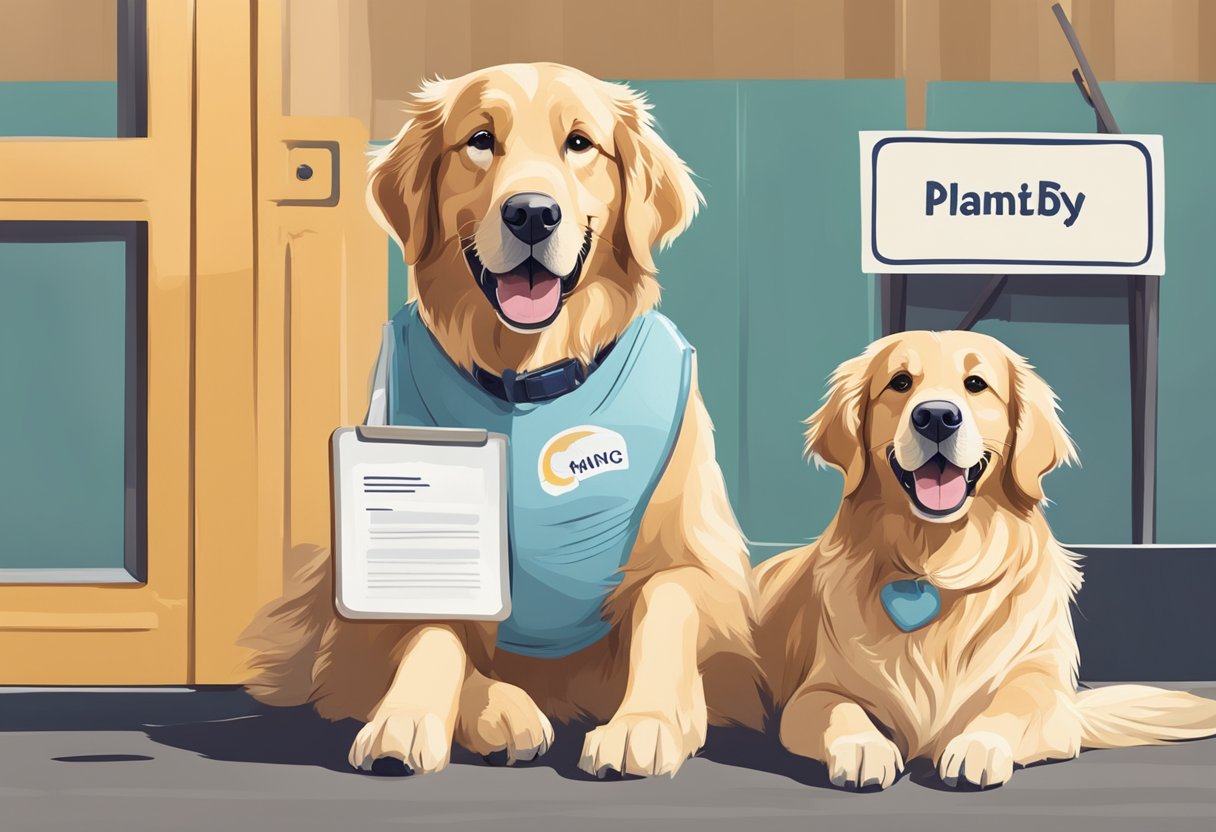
{"x":95,"y":589}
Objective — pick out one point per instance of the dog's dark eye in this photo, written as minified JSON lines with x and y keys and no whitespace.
{"x":902,"y":383}
{"x":577,"y":142}
{"x":975,"y":384}
{"x":482,"y":140}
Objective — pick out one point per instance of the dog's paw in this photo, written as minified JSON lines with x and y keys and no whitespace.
{"x":861,"y":761}
{"x":498,"y":720}
{"x":422,"y":742}
{"x":639,"y":744}
{"x":980,"y":758}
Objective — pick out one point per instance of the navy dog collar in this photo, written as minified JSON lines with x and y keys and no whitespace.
{"x":542,"y":385}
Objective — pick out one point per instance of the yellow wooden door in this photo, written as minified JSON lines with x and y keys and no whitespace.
{"x":95,"y":373}
{"x":292,"y":276}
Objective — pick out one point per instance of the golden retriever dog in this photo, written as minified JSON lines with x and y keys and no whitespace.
{"x":931,"y":619}
{"x":528,"y":200}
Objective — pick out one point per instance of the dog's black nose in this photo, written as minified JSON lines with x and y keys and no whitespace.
{"x":936,"y":420}
{"x":531,"y":216}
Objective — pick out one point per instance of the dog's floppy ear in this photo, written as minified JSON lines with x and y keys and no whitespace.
{"x":400,"y":190}
{"x":660,"y":197}
{"x":835,"y":431}
{"x":1041,"y":443}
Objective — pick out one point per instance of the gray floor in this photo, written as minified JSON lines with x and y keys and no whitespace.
{"x":214,"y":760}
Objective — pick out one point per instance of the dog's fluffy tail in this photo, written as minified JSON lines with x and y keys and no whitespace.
{"x":285,"y":636}
{"x":1121,"y":716}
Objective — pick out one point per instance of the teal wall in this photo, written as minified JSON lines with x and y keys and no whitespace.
{"x":766,"y":285}
{"x":1186,"y":115}
{"x":1088,"y":363}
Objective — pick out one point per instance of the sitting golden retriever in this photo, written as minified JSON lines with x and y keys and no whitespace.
{"x":932,"y":619}
{"x":528,"y":199}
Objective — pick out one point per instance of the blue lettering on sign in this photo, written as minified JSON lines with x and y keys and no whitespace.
{"x":1052,"y":200}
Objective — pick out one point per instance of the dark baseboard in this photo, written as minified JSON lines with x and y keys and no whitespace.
{"x":1147,"y":612}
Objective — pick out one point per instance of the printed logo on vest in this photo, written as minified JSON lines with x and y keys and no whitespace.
{"x":578,"y":454}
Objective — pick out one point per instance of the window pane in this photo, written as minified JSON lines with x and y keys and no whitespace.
{"x":73,"y":68}
{"x":71,"y":357}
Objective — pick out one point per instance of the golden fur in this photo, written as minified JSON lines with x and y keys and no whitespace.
{"x":991,"y":682}
{"x":686,"y":596}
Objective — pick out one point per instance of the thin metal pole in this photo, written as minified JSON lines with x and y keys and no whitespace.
{"x":894,"y":289}
{"x":983,"y":304}
{"x":1142,"y":332}
{"x":1142,"y":315}
{"x":1106,"y":121}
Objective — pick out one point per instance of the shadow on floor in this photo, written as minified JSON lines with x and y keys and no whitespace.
{"x":297,"y":736}
{"x":226,"y":724}
{"x":762,"y":752}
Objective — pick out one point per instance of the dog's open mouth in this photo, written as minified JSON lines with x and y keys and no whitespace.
{"x":939,"y":487}
{"x":529,"y":296}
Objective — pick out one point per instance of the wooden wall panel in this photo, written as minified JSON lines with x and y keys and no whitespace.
{"x":966,"y":39}
{"x":769,"y":39}
{"x":1013,"y":34}
{"x":678,"y":37}
{"x":1056,"y":61}
{"x":1094,"y":21}
{"x":84,"y":33}
{"x":1184,"y":39}
{"x":922,"y":54}
{"x":398,"y":42}
{"x":1144,"y":40}
{"x":522,"y":30}
{"x":873,"y":39}
{"x":1206,"y":37}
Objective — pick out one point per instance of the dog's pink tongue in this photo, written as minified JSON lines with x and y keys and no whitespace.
{"x":938,"y":489}
{"x":528,"y":304}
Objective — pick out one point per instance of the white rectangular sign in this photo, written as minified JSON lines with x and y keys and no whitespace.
{"x":1012,"y":203}
{"x":420,"y":523}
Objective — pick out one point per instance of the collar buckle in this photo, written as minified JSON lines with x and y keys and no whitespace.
{"x":541,"y":385}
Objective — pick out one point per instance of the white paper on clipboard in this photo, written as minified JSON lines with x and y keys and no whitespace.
{"x":420,"y":523}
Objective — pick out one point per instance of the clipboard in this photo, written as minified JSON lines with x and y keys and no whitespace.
{"x":420,"y":523}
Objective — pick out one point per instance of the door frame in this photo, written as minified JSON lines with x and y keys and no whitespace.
{"x":291,"y":276}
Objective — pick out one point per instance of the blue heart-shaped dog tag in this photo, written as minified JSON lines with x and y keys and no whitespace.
{"x":911,"y":604}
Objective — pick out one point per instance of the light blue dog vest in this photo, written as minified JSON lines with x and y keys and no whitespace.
{"x":574,"y":515}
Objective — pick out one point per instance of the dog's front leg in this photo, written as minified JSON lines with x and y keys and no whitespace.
{"x":662,"y":719}
{"x":415,"y":719}
{"x":835,"y":730}
{"x":1028,"y":720}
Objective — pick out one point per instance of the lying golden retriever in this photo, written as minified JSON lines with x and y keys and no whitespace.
{"x":932,"y":619}
{"x":528,"y":200}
